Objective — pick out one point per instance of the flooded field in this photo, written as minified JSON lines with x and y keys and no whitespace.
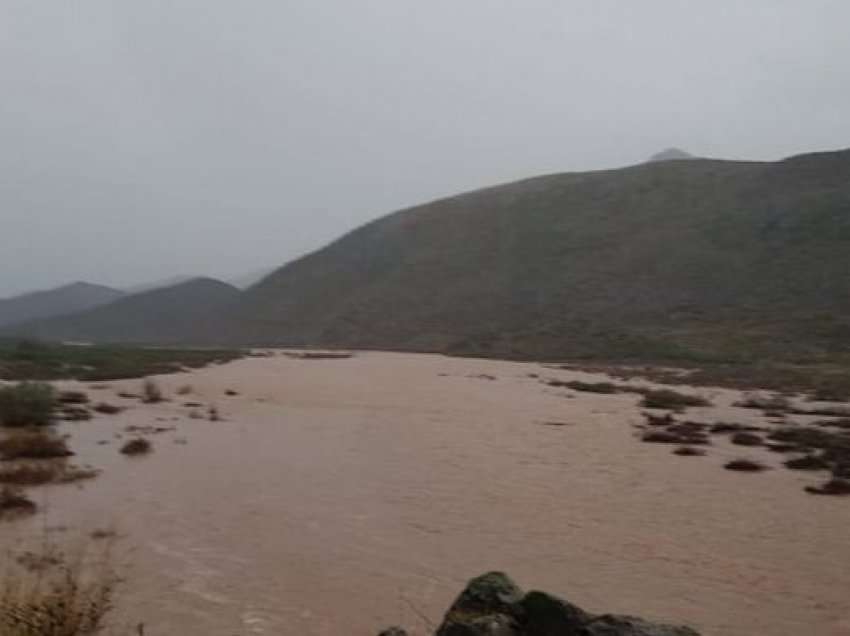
{"x":344,"y":495}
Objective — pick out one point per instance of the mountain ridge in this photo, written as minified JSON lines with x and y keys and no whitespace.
{"x":186,"y":312}
{"x":417,"y":265}
{"x":56,"y":301}
{"x":698,"y":259}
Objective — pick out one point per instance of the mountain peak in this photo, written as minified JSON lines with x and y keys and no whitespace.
{"x":671,"y":154}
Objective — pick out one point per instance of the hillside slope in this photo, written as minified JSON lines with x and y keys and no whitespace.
{"x":67,"y":299}
{"x":188,"y":312}
{"x":698,"y":258}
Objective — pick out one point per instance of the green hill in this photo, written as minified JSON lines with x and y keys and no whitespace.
{"x":697,"y":259}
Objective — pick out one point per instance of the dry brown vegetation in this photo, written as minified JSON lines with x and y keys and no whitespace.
{"x":33,"y":444}
{"x":61,"y":599}
{"x":39,"y":473}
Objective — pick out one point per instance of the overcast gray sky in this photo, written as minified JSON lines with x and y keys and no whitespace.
{"x":145,"y":139}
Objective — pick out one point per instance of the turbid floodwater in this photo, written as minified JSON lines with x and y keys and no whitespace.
{"x":342,"y":496}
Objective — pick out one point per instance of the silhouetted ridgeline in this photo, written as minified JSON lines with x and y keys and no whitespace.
{"x":492,"y":605}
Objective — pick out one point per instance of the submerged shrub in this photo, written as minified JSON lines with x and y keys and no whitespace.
{"x":745,"y":465}
{"x":14,"y":502}
{"x":689,"y":451}
{"x":27,"y":403}
{"x":35,"y":444}
{"x":746,"y":439}
{"x":832,"y":487}
{"x":73,"y":397}
{"x":671,"y":400}
{"x":35,"y":474}
{"x":106,"y":409}
{"x":151,"y":393}
{"x":808,"y":462}
{"x":775,"y":403}
{"x":137,"y":446}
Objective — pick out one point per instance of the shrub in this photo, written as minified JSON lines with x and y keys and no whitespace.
{"x":106,"y":409}
{"x":27,"y":403}
{"x":689,"y":451}
{"x":74,"y":413}
{"x":151,"y":393}
{"x":186,"y":389}
{"x":73,"y":397}
{"x":661,"y":437}
{"x":671,"y":400}
{"x":731,"y":427}
{"x":832,"y":487}
{"x":782,"y":448}
{"x":808,"y":462}
{"x":592,"y":387}
{"x":746,"y":439}
{"x":775,"y":403}
{"x":659,"y":420}
{"x":137,"y":446}
{"x":33,"y":445}
{"x":44,"y":473}
{"x":14,"y":502}
{"x":745,"y":465}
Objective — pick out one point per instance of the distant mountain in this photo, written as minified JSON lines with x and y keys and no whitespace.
{"x":251,"y":278}
{"x":699,"y":259}
{"x":67,"y":299}
{"x":171,"y":281}
{"x":665,"y":259}
{"x":187,"y":312}
{"x":671,"y":154}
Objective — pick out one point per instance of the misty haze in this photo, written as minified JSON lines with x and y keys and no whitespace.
{"x":456,"y":319}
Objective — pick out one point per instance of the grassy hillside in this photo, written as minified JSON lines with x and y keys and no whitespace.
{"x":188,"y":312}
{"x":691,"y":260}
{"x":67,"y":299}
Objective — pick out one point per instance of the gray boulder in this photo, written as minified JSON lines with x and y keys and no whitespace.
{"x":493,"y":605}
{"x":488,"y":606}
{"x":610,"y":625}
{"x":547,"y":615}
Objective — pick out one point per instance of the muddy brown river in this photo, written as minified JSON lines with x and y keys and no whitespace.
{"x":343,"y":496}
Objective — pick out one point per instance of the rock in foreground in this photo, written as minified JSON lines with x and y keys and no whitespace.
{"x":493,"y":605}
